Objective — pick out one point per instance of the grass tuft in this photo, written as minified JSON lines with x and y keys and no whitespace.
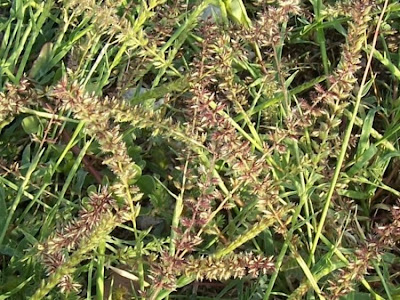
{"x":211,"y":149}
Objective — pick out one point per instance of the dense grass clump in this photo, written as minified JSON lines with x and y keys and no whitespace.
{"x":199,"y":149}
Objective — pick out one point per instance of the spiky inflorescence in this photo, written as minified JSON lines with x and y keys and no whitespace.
{"x":217,"y":266}
{"x":62,"y":267}
{"x":323,"y":114}
{"x":389,"y":235}
{"x":386,"y":238}
{"x":215,"y":90}
{"x":344,"y":77}
{"x":248,"y":171}
{"x":327,"y":106}
{"x":266,"y":31}
{"x":203,"y":193}
{"x":234,"y":265}
{"x":353,"y":273}
{"x":16,"y":98}
{"x":97,"y":115}
{"x":104,"y":15}
{"x":69,"y":236}
{"x":101,"y":213}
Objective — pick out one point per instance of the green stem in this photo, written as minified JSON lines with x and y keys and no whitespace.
{"x":321,"y":38}
{"x":100,"y":270}
{"x":177,"y":212}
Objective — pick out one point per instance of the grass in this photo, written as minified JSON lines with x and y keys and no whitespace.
{"x":199,"y":149}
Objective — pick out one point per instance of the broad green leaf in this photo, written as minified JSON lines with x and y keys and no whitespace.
{"x":237,"y":12}
{"x":146,"y":184}
{"x":31,"y":124}
{"x":26,"y":157}
{"x":17,"y":9}
{"x":290,"y":79}
{"x":79,"y":181}
{"x":358,"y":195}
{"x":363,"y":160}
{"x":138,"y":174}
{"x":367,"y":87}
{"x":4,"y":123}
{"x":15,"y":289}
{"x":45,"y":55}
{"x":29,"y":237}
{"x":363,"y":144}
